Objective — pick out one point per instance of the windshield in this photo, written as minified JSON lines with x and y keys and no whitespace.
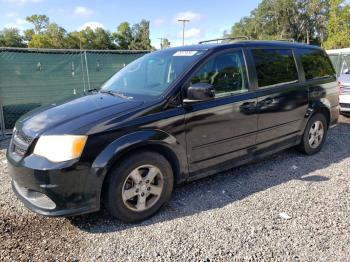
{"x":151,"y":74}
{"x":345,"y":69}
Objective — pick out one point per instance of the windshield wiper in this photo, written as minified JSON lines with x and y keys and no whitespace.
{"x":91,"y":90}
{"x":114,"y":93}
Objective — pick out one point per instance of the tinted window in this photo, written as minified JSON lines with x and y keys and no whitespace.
{"x":274,"y":66}
{"x":316,"y":64}
{"x":226,"y":72}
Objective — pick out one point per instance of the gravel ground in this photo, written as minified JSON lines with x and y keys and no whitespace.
{"x":237,"y":215}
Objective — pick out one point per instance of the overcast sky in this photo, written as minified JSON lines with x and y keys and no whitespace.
{"x":209,"y":19}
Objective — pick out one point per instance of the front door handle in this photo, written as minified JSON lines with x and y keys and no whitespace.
{"x":268,"y":101}
{"x":248,"y":108}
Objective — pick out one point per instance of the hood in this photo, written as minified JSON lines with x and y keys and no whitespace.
{"x":344,"y":79}
{"x":45,"y":118}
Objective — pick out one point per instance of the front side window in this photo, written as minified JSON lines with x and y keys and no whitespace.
{"x":152,"y":74}
{"x":275,"y":66}
{"x":316,"y":64}
{"x":226,"y":72}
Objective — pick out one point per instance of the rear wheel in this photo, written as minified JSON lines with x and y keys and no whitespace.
{"x":139,"y":186}
{"x":314,"y":135}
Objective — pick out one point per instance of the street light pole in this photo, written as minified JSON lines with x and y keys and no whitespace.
{"x":184,"y":21}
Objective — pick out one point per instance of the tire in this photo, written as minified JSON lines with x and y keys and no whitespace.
{"x":124,"y":179}
{"x":306,"y":146}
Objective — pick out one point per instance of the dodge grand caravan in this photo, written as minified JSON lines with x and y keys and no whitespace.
{"x":172,"y":116}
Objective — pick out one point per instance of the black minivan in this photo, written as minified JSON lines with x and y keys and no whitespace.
{"x":171,"y":116}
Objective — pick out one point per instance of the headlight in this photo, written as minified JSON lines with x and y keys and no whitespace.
{"x":60,"y":148}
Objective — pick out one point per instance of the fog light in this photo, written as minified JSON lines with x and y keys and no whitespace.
{"x":35,"y":198}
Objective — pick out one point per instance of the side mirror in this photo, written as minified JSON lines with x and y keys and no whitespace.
{"x":199,"y":92}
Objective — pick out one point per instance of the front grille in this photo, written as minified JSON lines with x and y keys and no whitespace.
{"x":20,"y":143}
{"x":23,"y":137}
{"x":19,"y":151}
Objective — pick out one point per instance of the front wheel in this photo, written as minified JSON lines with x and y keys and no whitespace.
{"x":314,"y":135}
{"x":139,"y":186}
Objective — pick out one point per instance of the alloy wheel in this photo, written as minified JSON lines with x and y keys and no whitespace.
{"x":142,"y":188}
{"x":316,"y":134}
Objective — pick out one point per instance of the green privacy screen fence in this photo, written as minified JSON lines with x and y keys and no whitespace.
{"x":33,"y":77}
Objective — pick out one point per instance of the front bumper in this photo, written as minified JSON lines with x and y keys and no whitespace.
{"x":65,"y":190}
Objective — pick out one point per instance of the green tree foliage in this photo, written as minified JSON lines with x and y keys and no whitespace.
{"x":301,"y":20}
{"x":11,"y":37}
{"x":135,"y":37}
{"x":141,"y":40}
{"x":50,"y":35}
{"x":90,"y":39}
{"x":165,"y":43}
{"x":123,"y":36}
{"x":338,"y":29}
{"x":40,"y":22}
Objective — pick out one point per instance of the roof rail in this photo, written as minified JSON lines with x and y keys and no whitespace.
{"x":292,"y":40}
{"x":225,"y":38}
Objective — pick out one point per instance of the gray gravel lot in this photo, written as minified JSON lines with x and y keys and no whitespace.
{"x":229,"y":216}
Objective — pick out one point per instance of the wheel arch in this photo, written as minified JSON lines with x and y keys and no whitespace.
{"x":322,"y":107}
{"x":151,"y":140}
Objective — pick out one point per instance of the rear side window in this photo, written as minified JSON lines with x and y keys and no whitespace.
{"x":275,"y":66}
{"x":316,"y":64}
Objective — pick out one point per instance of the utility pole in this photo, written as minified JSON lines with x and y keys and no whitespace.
{"x":184,"y":21}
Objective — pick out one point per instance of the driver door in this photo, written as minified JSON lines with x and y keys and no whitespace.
{"x":224,"y":128}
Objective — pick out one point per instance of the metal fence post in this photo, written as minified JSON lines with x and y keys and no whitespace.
{"x":87,"y":71}
{"x":2,"y":123}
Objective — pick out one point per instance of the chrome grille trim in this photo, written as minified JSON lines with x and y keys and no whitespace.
{"x":19,"y":144}
{"x":344,"y":90}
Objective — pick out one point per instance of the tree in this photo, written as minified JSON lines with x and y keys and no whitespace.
{"x":165,"y":43}
{"x":338,"y":29}
{"x":133,"y":38}
{"x":123,"y":36}
{"x":53,"y":36}
{"x":40,"y":22}
{"x":103,"y":39}
{"x":90,"y":39}
{"x":141,"y":40}
{"x":28,"y":34}
{"x":301,"y":20}
{"x":10,"y":37}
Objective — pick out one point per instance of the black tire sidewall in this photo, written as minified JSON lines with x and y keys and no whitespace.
{"x":114,"y":200}
{"x":306,"y":148}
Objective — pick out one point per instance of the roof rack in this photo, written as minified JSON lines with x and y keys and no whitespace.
{"x":225,"y":38}
{"x":292,"y":40}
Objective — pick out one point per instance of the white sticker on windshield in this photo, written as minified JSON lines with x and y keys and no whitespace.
{"x":185,"y":53}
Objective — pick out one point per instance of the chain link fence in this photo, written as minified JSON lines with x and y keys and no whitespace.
{"x":30,"y":78}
